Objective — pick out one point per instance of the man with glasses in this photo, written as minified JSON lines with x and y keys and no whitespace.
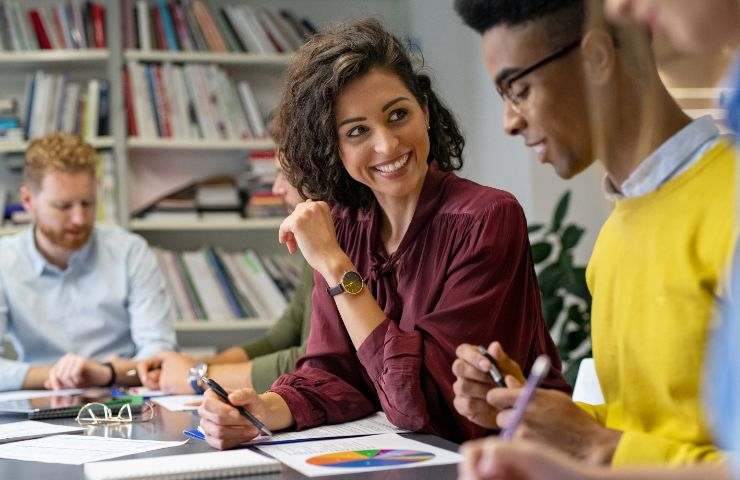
{"x":577,"y":92}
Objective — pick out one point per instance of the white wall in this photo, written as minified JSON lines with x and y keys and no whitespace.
{"x":452,"y":54}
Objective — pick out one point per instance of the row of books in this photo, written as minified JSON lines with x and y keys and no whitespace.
{"x":212,"y":284}
{"x":51,"y":102}
{"x":73,"y":24}
{"x":189,"y":102}
{"x":13,"y":213}
{"x":201,"y":25}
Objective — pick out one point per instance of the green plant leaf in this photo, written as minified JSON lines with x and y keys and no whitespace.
{"x":571,"y":236}
{"x":551,"y":308}
{"x":535,"y":227}
{"x":575,"y":283}
{"x":550,"y":280}
{"x":540,"y":251}
{"x":560,"y":211}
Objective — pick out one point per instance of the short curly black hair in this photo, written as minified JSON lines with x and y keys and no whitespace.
{"x":563,"y":17}
{"x":305,"y":124}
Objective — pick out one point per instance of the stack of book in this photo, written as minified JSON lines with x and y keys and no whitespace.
{"x":212,"y":284}
{"x":53,"y":103}
{"x":189,"y":102}
{"x":71,"y":24}
{"x":198,"y":25}
{"x":10,"y":123}
{"x":259,"y":178}
{"x":213,"y":199}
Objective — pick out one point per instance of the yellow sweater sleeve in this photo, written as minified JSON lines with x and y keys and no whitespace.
{"x":598,"y":412}
{"x":637,"y":448}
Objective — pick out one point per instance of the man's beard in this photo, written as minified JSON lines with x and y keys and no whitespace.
{"x":63,"y":239}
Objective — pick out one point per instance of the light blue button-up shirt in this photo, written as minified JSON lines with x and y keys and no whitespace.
{"x":110,"y":300}
{"x":673,"y":157}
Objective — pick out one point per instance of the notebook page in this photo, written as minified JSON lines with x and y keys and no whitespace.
{"x":196,"y":465}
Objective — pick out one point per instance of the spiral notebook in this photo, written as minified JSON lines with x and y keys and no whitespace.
{"x":185,"y":467}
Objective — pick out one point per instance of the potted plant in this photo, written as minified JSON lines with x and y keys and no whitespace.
{"x":566,"y":301}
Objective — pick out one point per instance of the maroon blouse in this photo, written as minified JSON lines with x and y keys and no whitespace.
{"x":463,"y":273}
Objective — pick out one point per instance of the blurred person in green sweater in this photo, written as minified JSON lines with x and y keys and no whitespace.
{"x":254,"y":365}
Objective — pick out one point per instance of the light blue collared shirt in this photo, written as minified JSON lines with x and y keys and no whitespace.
{"x":110,"y":300}
{"x":673,"y":157}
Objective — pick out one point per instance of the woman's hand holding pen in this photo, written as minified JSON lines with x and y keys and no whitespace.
{"x":225,"y":427}
{"x":473,"y":381}
{"x":310,"y":228}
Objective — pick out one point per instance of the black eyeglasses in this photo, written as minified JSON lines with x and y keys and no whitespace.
{"x":503,"y":85}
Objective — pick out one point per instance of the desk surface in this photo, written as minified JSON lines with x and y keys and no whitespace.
{"x":168,"y":425}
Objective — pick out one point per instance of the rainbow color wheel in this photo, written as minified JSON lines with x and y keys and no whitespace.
{"x":370,"y":458}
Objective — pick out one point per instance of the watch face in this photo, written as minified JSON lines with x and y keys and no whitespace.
{"x":352,"y":283}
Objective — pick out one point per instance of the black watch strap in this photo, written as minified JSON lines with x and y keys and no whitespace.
{"x":335,"y":290}
{"x":112,"y":374}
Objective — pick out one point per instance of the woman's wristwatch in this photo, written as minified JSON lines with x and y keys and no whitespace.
{"x":196,"y":371}
{"x":351,"y":283}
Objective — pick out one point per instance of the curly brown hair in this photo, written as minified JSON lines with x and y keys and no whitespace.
{"x":57,"y":152}
{"x":305,"y":125}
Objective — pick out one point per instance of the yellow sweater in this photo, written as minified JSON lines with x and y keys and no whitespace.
{"x":654,"y":275}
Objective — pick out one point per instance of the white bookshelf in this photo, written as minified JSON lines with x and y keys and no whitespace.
{"x":20,"y":146}
{"x":41,"y":58}
{"x":205,"y":225}
{"x":12,"y":229}
{"x":138,"y":143}
{"x":244,"y":324}
{"x":244,"y":59}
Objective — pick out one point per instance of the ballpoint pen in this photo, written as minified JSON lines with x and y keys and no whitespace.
{"x":494,"y":371}
{"x":539,"y":370}
{"x":218,"y":389}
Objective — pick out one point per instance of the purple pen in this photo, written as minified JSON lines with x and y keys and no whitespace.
{"x":539,"y":370}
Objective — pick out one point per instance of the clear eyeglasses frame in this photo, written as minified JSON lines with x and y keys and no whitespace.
{"x":101,"y":414}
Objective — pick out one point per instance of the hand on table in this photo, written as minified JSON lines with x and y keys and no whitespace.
{"x":473,"y":382}
{"x":223,"y":425}
{"x":166,"y":371}
{"x":76,"y":371}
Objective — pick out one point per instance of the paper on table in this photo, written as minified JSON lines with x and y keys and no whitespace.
{"x":28,"y":394}
{"x":78,"y":449}
{"x":26,"y":429}
{"x":354,"y":455}
{"x":587,"y":388}
{"x":178,"y":403}
{"x":196,"y":465}
{"x":375,"y":424}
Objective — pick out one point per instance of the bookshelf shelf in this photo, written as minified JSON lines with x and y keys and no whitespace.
{"x":278,"y":60}
{"x":135,"y":143}
{"x":12,"y":229}
{"x":205,"y":225}
{"x":259,"y":324}
{"x":20,"y":146}
{"x":51,"y":57}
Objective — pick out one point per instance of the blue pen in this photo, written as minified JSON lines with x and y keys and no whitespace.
{"x":539,"y":370}
{"x":195,"y":433}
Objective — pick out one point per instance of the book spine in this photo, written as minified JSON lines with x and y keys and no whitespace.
{"x":64,"y":18}
{"x":127,"y":19}
{"x":181,"y":27}
{"x":196,"y":302}
{"x":249,"y":102}
{"x":167,"y":26}
{"x":79,"y":35}
{"x":38,"y":27}
{"x":210,"y":32}
{"x":56,"y":18}
{"x":104,"y":109}
{"x":142,"y":18}
{"x":151,"y":87}
{"x":129,"y":104}
{"x":90,"y":129}
{"x":158,"y":27}
{"x":224,"y":283}
{"x":97,"y":13}
{"x":193,"y":27}
{"x":163,"y":103}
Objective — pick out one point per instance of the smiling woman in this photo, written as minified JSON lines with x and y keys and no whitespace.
{"x":410,"y":260}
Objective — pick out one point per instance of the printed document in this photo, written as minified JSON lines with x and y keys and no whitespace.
{"x":78,"y":449}
{"x":355,"y":455}
{"x":11,"y":432}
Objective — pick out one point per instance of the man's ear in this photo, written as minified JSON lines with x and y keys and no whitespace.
{"x":28,"y":198}
{"x":599,"y":56}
